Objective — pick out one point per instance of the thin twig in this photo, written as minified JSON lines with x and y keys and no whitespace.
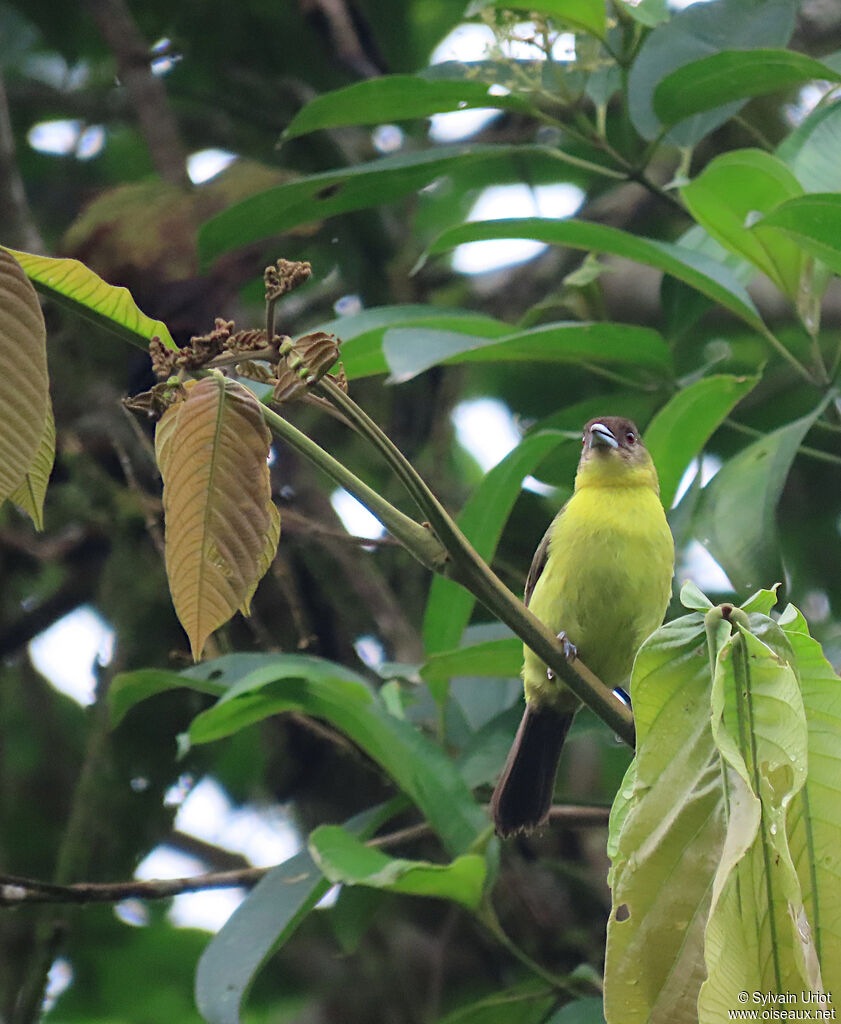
{"x":16,"y":890}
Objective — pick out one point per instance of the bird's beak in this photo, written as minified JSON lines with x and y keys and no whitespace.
{"x":602,"y":437}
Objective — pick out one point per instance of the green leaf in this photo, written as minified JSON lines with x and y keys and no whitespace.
{"x":695,"y":269}
{"x":396,"y":98}
{"x":732,"y":190}
{"x":666,"y":833}
{"x":71,"y":284}
{"x":24,"y":383}
{"x":813,"y":222}
{"x":733,"y":75}
{"x":650,"y":13}
{"x":129,"y":688}
{"x":258,"y":686}
{"x":813,"y":150}
{"x":449,"y":607}
{"x":758,"y":936}
{"x":581,"y":1011}
{"x":586,"y":14}
{"x":351,"y":188}
{"x":267,"y":917}
{"x":362,"y":334}
{"x":526,"y":1003}
{"x":736,"y":515}
{"x":682,"y":427}
{"x":411,"y":350}
{"x":491,"y":658}
{"x":691,"y":34}
{"x":31,"y":493}
{"x":692,"y":597}
{"x":814,"y":821}
{"x":343,"y":858}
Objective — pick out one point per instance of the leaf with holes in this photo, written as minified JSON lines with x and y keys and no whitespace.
{"x":31,"y":493}
{"x":72,"y":284}
{"x":221,"y":533}
{"x":24,"y":385}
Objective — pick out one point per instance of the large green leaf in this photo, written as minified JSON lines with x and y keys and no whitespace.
{"x":736,"y":514}
{"x":411,"y":350}
{"x":681,"y":428}
{"x":361,"y":334}
{"x":813,"y":150}
{"x":24,"y":385}
{"x":344,"y":859}
{"x":696,"y":32}
{"x":813,"y":222}
{"x":396,"y":98}
{"x":733,"y":75}
{"x":702,"y":874}
{"x":736,"y":187}
{"x":814,"y":821}
{"x":526,"y":1003}
{"x":758,"y":936}
{"x":667,"y":836}
{"x":586,"y":14}
{"x":71,"y":284}
{"x":449,"y":606}
{"x":258,"y":686}
{"x":351,"y":188}
{"x":267,"y":917}
{"x":491,"y":658}
{"x":694,"y":268}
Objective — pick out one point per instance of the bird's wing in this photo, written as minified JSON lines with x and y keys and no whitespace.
{"x":538,"y":564}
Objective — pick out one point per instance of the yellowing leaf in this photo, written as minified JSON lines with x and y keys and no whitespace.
{"x":221,"y":525}
{"x":24,"y":386}
{"x":74,"y":285}
{"x":30,"y":495}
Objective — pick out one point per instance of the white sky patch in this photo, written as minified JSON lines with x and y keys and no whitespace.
{"x":58,"y":138}
{"x":59,"y":979}
{"x":65,"y":653}
{"x":264,"y":835}
{"x":370,"y":651}
{"x":357,"y":520}
{"x":709,"y":466}
{"x":207,"y":163}
{"x":699,"y":566}
{"x":808,"y":98}
{"x":466,"y":43}
{"x":501,"y":201}
{"x":460,"y":124}
{"x":387,"y":138}
{"x":486,"y":428}
{"x":91,"y":142}
{"x":207,"y":910}
{"x":348,"y":305}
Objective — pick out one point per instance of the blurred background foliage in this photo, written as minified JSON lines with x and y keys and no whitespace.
{"x":105,"y":105}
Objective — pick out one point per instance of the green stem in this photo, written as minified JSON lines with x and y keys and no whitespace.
{"x":419,"y":540}
{"x":488,"y":917}
{"x":789,"y":358}
{"x":803,"y":449}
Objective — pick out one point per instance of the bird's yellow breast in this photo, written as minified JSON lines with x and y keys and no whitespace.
{"x":606,"y":582}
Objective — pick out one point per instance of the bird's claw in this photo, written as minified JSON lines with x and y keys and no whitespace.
{"x":569,"y":649}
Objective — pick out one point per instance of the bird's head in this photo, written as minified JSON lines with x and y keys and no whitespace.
{"x":613,"y":455}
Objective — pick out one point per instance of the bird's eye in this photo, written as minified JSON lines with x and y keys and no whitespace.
{"x":630,"y":437}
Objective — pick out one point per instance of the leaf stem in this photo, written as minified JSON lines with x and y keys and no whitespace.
{"x":419,"y":540}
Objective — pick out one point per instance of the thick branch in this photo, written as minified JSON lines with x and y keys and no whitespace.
{"x":146,"y":92}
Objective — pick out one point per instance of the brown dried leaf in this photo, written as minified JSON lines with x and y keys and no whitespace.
{"x":221,"y":524}
{"x":31,"y":493}
{"x":24,"y":385}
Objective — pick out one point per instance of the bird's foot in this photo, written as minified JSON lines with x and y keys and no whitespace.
{"x":569,"y":649}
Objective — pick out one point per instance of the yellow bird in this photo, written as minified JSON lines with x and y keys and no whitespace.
{"x":600,"y":579}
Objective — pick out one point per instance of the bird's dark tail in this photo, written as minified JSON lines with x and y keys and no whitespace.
{"x":523,"y":795}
